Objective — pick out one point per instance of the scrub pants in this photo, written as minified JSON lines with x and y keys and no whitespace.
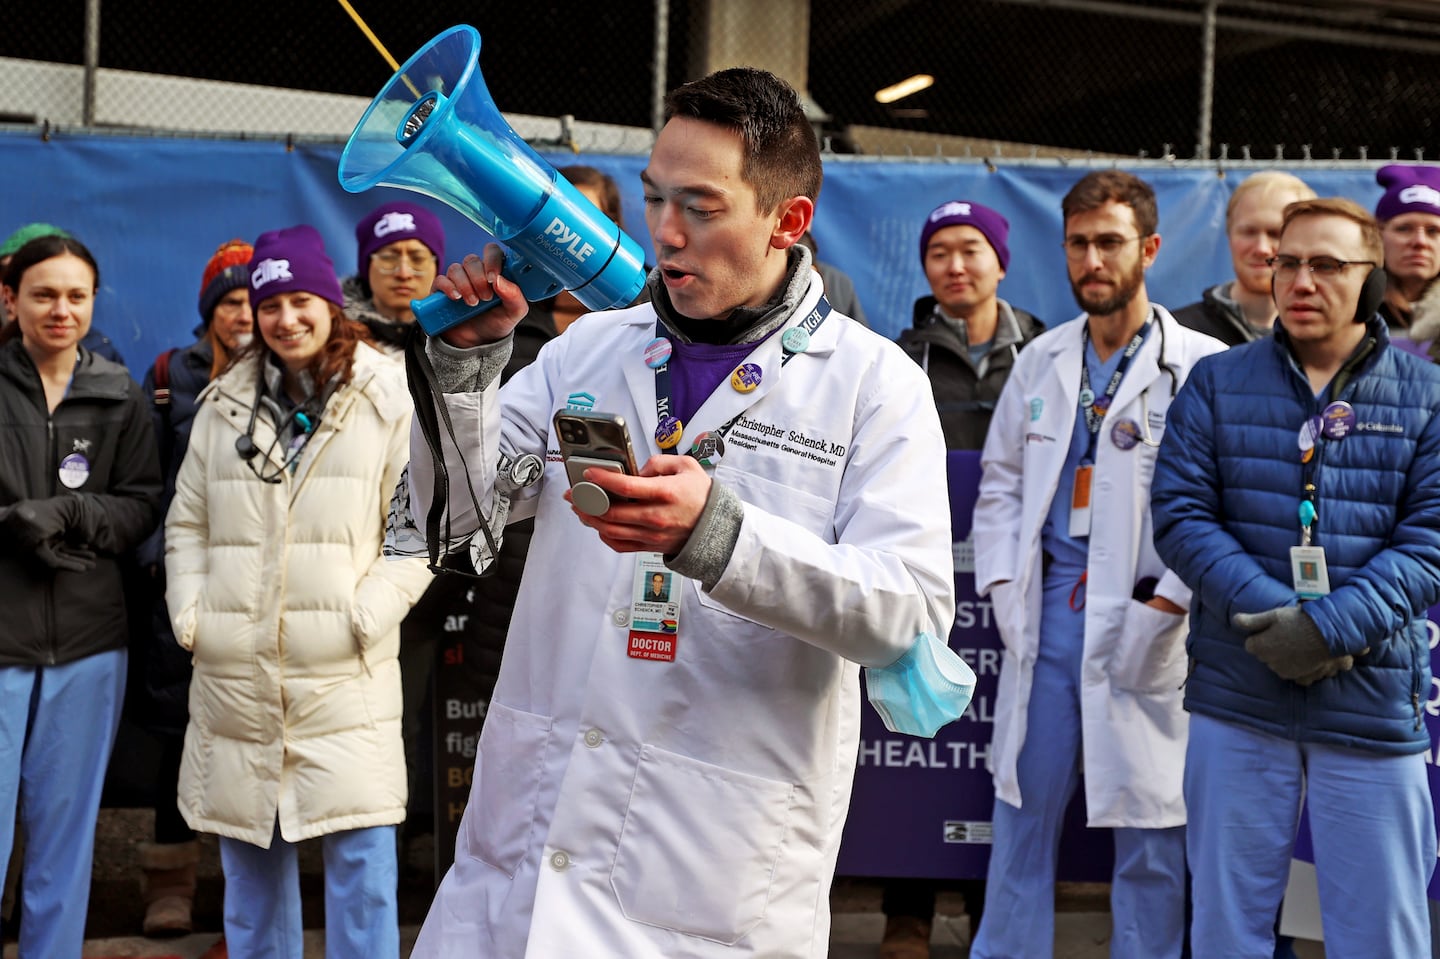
{"x":1147,"y":897}
{"x":262,"y":896}
{"x":57,"y":726}
{"x":1372,"y":824}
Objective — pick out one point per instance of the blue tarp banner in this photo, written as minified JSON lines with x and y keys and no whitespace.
{"x":154,"y":209}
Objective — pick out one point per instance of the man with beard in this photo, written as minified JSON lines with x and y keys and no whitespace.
{"x":1093,"y":624}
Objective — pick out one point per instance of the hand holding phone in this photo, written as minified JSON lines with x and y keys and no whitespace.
{"x":589,"y":438}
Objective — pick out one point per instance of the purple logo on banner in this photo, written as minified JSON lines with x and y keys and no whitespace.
{"x":922,"y":807}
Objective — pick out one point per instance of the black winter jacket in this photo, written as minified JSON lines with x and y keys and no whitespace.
{"x":1219,"y":316}
{"x":102,"y":427}
{"x":167,"y":668}
{"x":964,"y":397}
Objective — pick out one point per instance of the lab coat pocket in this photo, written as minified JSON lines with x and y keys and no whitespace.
{"x":699,"y":847}
{"x":508,"y":771}
{"x":1149,"y":656}
{"x":1006,"y":606}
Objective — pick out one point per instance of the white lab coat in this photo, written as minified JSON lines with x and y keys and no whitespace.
{"x":1134,"y":727}
{"x":642,"y":809}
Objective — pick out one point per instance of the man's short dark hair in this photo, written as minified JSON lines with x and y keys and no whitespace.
{"x":1100,"y":187}
{"x":782,"y":158}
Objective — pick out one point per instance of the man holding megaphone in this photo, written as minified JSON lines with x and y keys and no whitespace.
{"x":654,"y":785}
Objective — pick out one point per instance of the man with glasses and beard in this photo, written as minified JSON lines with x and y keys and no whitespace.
{"x":1092,"y":622}
{"x":1298,"y":493}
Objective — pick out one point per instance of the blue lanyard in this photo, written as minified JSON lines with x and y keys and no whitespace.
{"x":809,"y":325}
{"x":1099,"y":406}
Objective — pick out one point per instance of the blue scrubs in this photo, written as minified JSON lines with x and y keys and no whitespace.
{"x":57,"y":726}
{"x":262,"y":896}
{"x":1148,"y":885}
{"x":1373,"y":828}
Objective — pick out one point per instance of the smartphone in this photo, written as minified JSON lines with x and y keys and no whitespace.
{"x":589,"y":438}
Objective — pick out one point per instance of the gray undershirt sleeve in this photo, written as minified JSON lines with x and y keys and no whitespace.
{"x":470,"y":370}
{"x":708,"y":550}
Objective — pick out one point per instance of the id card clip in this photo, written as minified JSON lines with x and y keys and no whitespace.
{"x":1307,"y":563}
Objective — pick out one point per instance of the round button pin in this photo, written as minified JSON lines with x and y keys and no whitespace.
{"x":1087,"y":397}
{"x":795,"y":340}
{"x":707,"y":448}
{"x":657,"y":352}
{"x":1125,"y":434}
{"x":1338,"y":419}
{"x":1310,"y":431}
{"x":746,"y":377}
{"x":668,"y":432}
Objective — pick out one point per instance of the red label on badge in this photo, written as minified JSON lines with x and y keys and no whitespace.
{"x":654,"y":646}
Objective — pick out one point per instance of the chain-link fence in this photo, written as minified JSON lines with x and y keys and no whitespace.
{"x":1126,"y":77}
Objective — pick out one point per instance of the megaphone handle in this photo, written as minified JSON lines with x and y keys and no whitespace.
{"x":437,"y":312}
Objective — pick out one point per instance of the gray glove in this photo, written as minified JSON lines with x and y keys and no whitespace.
{"x":1288,"y":641}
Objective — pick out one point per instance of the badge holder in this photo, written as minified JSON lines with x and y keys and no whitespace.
{"x":1080,"y":501}
{"x":654,"y":610}
{"x":1307,"y":563}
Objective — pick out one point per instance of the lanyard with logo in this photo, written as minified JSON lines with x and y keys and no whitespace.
{"x":656,"y":590}
{"x":1307,"y":562}
{"x":1095,"y":408}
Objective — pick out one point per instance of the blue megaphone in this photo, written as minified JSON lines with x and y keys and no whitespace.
{"x":434,"y":130}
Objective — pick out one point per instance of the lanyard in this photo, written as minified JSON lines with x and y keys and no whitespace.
{"x":1097,"y":407}
{"x":793,"y":340}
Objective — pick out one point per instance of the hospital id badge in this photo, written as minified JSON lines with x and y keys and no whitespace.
{"x":1080,"y":501}
{"x":1307,"y":568}
{"x":654,"y":610}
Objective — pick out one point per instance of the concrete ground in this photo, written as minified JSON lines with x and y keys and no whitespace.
{"x":1082,"y":926}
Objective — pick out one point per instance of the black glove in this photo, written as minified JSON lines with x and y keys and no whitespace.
{"x":38,"y":527}
{"x":31,"y":522}
{"x":57,"y":555}
{"x":1288,"y":641}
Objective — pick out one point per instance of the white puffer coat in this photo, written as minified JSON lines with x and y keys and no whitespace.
{"x":292,"y":614}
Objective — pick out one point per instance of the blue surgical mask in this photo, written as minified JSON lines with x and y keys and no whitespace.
{"x":923,"y":690}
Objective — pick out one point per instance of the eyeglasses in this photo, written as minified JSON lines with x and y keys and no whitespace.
{"x":1108,"y":245}
{"x":1286,"y":268}
{"x":389,"y":262}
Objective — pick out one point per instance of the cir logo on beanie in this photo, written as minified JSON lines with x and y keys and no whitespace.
{"x":224,"y":272}
{"x":994,"y":227}
{"x":1408,"y":189}
{"x":292,"y":259}
{"x":393,"y":222}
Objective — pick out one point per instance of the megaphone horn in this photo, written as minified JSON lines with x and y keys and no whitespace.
{"x":434,"y":130}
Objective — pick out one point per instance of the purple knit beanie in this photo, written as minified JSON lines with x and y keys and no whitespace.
{"x":1408,"y":189}
{"x":995,"y":227}
{"x":392,"y":222}
{"x":292,"y":259}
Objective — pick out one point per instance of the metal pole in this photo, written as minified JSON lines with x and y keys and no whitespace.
{"x":660,"y":65}
{"x":92,"y":60}
{"x":1207,"y":79}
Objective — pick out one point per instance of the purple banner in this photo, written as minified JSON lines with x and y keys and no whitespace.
{"x":921,"y":807}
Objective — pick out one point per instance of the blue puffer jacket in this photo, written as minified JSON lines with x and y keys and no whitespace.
{"x":1225,"y":497}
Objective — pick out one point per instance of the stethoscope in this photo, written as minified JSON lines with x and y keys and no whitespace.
{"x":1145,"y":435}
{"x":245,"y":443}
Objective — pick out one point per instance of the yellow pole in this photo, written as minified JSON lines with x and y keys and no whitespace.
{"x":375,"y":42}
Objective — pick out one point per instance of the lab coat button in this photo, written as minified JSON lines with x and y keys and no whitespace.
{"x":621,"y":617}
{"x":559,"y":861}
{"x":594,"y":737}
